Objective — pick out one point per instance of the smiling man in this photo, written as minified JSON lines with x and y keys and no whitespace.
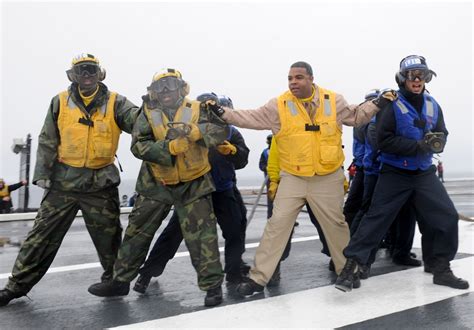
{"x":306,"y":122}
{"x":409,"y":131}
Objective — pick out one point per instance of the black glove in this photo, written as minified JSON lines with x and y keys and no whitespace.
{"x":214,"y":107}
{"x":423,"y":147}
{"x":385,"y":97}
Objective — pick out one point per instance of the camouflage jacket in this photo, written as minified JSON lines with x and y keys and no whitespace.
{"x":147,"y":148}
{"x":79,"y":179}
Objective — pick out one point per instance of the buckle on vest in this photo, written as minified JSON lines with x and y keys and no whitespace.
{"x":86,"y":122}
{"x":420,"y":123}
{"x":312,"y":128}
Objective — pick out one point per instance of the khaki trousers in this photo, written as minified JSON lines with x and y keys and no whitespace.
{"x":325,"y":196}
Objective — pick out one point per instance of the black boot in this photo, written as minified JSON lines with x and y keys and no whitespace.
{"x":443,"y":275}
{"x":248,"y":287}
{"x":244,"y":268}
{"x":213,"y":297}
{"x":407,"y":261}
{"x":364,"y":272}
{"x":331,"y":266}
{"x":110,"y":289}
{"x":348,"y":277}
{"x":276,"y":277}
{"x":6,"y":296}
{"x":142,"y":283}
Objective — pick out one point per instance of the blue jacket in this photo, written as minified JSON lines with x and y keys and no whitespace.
{"x":372,"y":155}
{"x":406,"y":118}
{"x":223,"y":166}
{"x":358,"y":145}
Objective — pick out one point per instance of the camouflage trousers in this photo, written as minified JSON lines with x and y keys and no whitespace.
{"x":101,"y":213}
{"x":198,"y":225}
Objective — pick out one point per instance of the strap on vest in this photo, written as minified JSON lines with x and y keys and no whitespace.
{"x":402,"y":106}
{"x":327,"y":105}
{"x":429,"y":108}
{"x":292,"y":107}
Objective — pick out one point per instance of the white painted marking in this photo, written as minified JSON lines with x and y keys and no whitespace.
{"x":325,"y":307}
{"x":177,"y":255}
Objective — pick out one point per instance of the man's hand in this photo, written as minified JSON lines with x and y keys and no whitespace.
{"x":423,"y":146}
{"x":227,"y":148}
{"x":195,"y":133}
{"x":179,"y":146}
{"x":385,"y":97}
{"x":44,"y":183}
{"x":214,"y":107}
{"x":24,"y":182}
{"x":272,"y":190}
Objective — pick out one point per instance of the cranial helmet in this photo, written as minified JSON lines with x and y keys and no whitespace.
{"x":225,"y":101}
{"x":372,"y":94}
{"x":410,"y":63}
{"x":170,"y":79}
{"x":85,"y":63}
{"x":208,"y":97}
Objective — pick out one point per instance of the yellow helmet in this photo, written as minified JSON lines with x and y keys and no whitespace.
{"x":167,"y":73}
{"x":84,"y":57}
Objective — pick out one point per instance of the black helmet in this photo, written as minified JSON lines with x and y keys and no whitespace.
{"x":208,"y":96}
{"x":372,"y":94}
{"x":225,"y":101}
{"x":269,"y":138}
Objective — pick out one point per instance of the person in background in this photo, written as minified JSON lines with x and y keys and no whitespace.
{"x":5,"y":191}
{"x":75,"y":166}
{"x":440,"y":170}
{"x":172,"y":136}
{"x":262,"y":164}
{"x":405,"y":130}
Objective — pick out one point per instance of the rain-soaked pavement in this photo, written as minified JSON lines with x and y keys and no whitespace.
{"x":395,"y":297}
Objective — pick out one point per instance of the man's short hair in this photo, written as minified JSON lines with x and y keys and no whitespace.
{"x":303,"y":65}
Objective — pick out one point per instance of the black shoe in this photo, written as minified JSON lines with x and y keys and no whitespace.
{"x":413,"y":255}
{"x":6,"y":296}
{"x":356,"y":282}
{"x":331,"y":266}
{"x":213,"y":297}
{"x":244,"y":268}
{"x":364,"y":272}
{"x":233,"y":278}
{"x":447,"y":278}
{"x":248,"y":287}
{"x":110,"y":289}
{"x":407,"y":261}
{"x":428,"y":268}
{"x":142,"y":283}
{"x":347,"y":277}
{"x":276,"y":277}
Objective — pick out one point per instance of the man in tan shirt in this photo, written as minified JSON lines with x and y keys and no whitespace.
{"x":306,"y":122}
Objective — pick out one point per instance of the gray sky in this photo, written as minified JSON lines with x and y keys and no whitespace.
{"x":240,"y":49}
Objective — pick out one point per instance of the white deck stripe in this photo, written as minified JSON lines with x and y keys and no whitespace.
{"x":325,"y":307}
{"x":177,"y":255}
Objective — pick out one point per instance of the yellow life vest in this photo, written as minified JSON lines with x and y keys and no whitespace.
{"x":4,"y":191}
{"x":87,"y":141}
{"x":305,"y":152}
{"x":189,"y":165}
